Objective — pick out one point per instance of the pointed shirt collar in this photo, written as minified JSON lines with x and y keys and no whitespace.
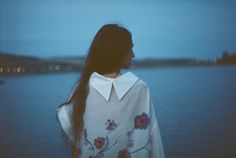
{"x":121,"y":84}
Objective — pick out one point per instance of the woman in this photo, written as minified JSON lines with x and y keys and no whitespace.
{"x":109,"y":114}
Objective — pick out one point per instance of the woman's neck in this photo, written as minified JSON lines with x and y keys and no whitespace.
{"x":113,"y":74}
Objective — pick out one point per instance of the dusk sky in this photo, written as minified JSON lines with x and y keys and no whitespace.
{"x":200,"y":29}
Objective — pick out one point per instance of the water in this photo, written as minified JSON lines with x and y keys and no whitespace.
{"x":195,"y":108}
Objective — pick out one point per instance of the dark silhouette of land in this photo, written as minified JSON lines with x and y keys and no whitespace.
{"x":227,"y":58}
{"x":11,"y":64}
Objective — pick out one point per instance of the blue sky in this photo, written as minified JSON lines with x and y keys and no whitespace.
{"x":161,"y":28}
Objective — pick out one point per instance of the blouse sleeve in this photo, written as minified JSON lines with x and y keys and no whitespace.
{"x":63,"y":117}
{"x":63,"y":114}
{"x":157,"y":150}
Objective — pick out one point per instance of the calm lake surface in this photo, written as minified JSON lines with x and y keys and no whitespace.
{"x":195,"y":106}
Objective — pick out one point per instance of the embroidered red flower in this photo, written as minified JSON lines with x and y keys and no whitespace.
{"x":141,"y":121}
{"x":99,"y":142}
{"x":123,"y":154}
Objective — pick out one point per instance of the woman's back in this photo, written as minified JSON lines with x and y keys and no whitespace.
{"x":119,"y":119}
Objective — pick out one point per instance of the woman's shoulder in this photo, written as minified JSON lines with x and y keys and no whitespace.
{"x":142,"y":85}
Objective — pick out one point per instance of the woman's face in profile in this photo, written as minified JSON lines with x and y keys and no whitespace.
{"x":127,"y":62}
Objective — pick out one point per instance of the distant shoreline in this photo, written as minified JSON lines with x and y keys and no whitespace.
{"x":23,"y":65}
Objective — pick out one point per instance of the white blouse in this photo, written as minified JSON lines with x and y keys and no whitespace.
{"x":119,"y":119}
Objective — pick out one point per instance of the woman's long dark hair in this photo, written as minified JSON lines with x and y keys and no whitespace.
{"x":109,"y":47}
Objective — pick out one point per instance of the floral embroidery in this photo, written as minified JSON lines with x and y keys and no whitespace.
{"x":130,"y":143}
{"x":110,"y":124}
{"x":123,"y":154}
{"x":99,"y":142}
{"x":85,"y":136}
{"x":129,"y":133}
{"x":102,"y":143}
{"x":141,"y":121}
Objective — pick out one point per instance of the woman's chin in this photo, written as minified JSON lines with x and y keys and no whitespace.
{"x":131,"y":64}
{"x":128,"y":65}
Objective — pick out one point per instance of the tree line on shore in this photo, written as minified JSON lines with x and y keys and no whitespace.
{"x":19,"y":64}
